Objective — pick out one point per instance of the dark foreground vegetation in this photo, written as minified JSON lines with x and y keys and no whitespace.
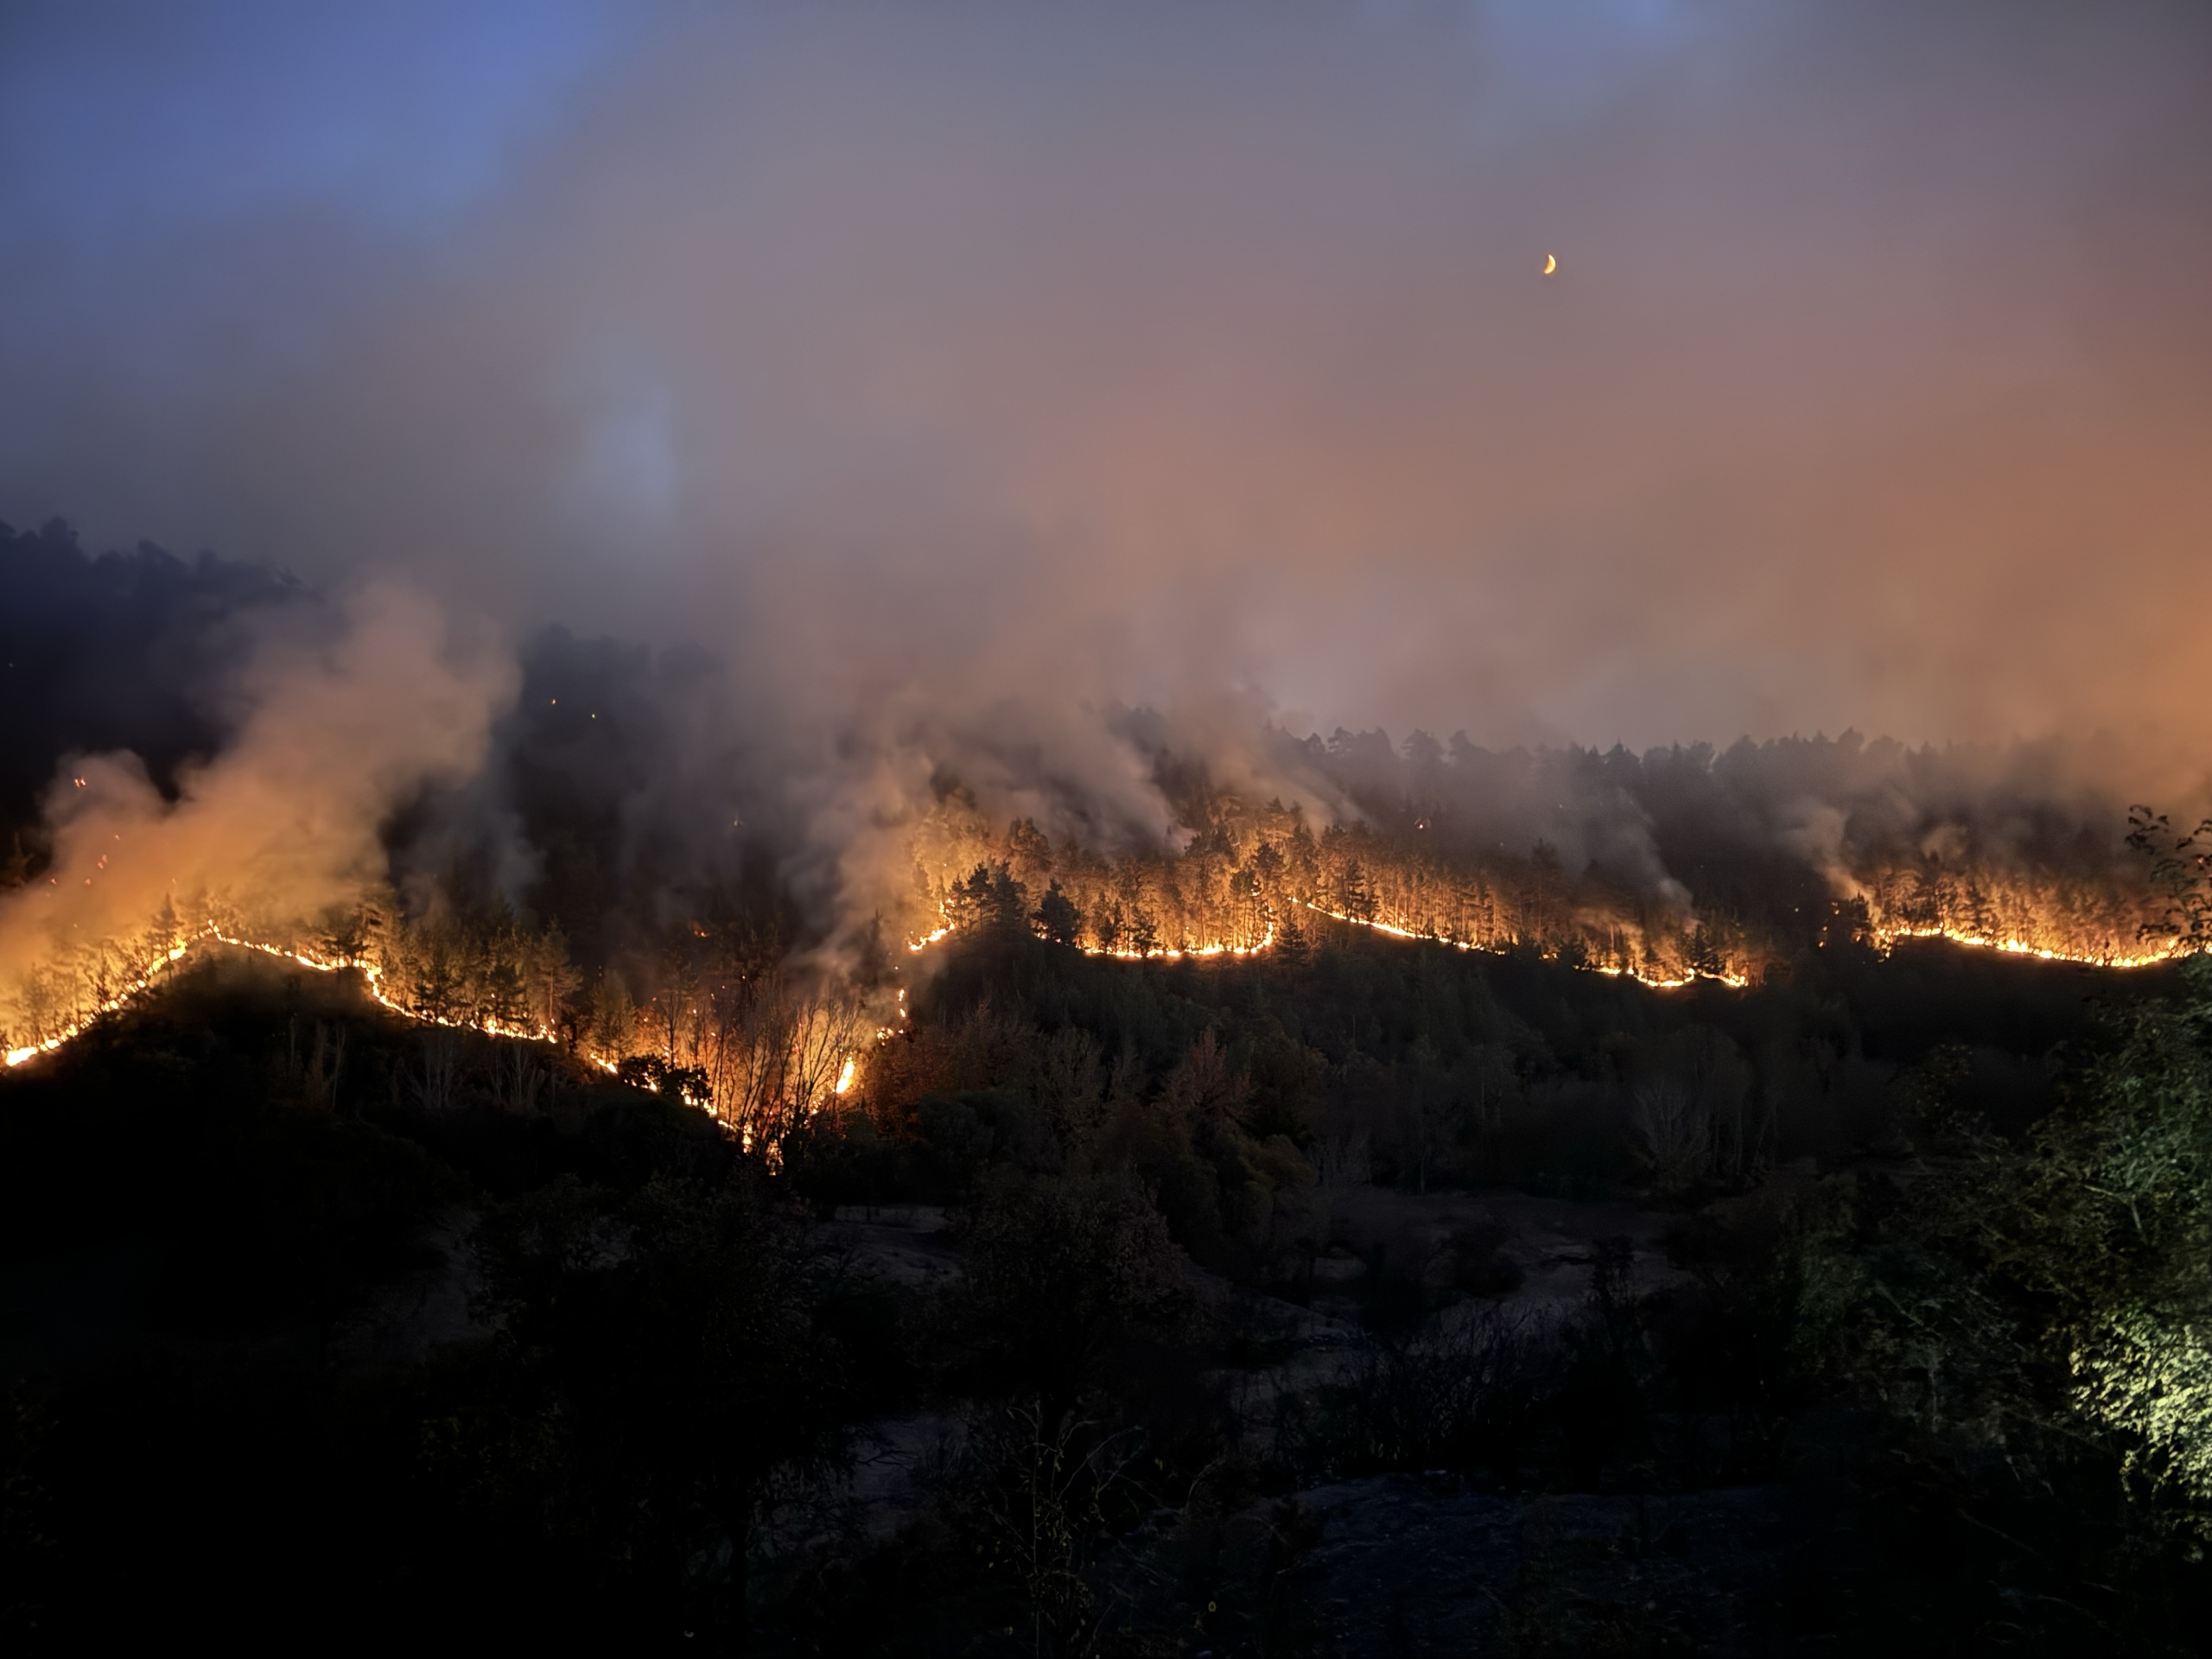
{"x":1391,"y":1301}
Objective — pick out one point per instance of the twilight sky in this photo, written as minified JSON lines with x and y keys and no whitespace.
{"x":972,"y":361}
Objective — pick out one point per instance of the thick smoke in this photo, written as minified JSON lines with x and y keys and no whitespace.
{"x":959,"y":376}
{"x":279,"y":828}
{"x":609,"y":799}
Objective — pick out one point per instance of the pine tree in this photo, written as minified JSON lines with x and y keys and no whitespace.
{"x":1056,"y":918}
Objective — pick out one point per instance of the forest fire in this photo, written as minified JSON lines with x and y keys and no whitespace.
{"x":1244,"y":872}
{"x":1233,"y":829}
{"x":2012,"y":947}
{"x":1656,"y":982}
{"x":131,"y":989}
{"x":808,"y":1052}
{"x":756,"y":1052}
{"x":1216,"y":950}
{"x":1734,"y":979}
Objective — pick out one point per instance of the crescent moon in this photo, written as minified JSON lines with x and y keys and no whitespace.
{"x":1551,"y":263}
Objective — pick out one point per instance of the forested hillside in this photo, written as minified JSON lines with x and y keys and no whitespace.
{"x":1120,"y":1304}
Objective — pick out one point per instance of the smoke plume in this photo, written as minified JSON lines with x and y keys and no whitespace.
{"x":279,"y":828}
{"x":958,"y":378}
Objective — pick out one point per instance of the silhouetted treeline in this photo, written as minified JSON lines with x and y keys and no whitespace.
{"x":124,"y":650}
